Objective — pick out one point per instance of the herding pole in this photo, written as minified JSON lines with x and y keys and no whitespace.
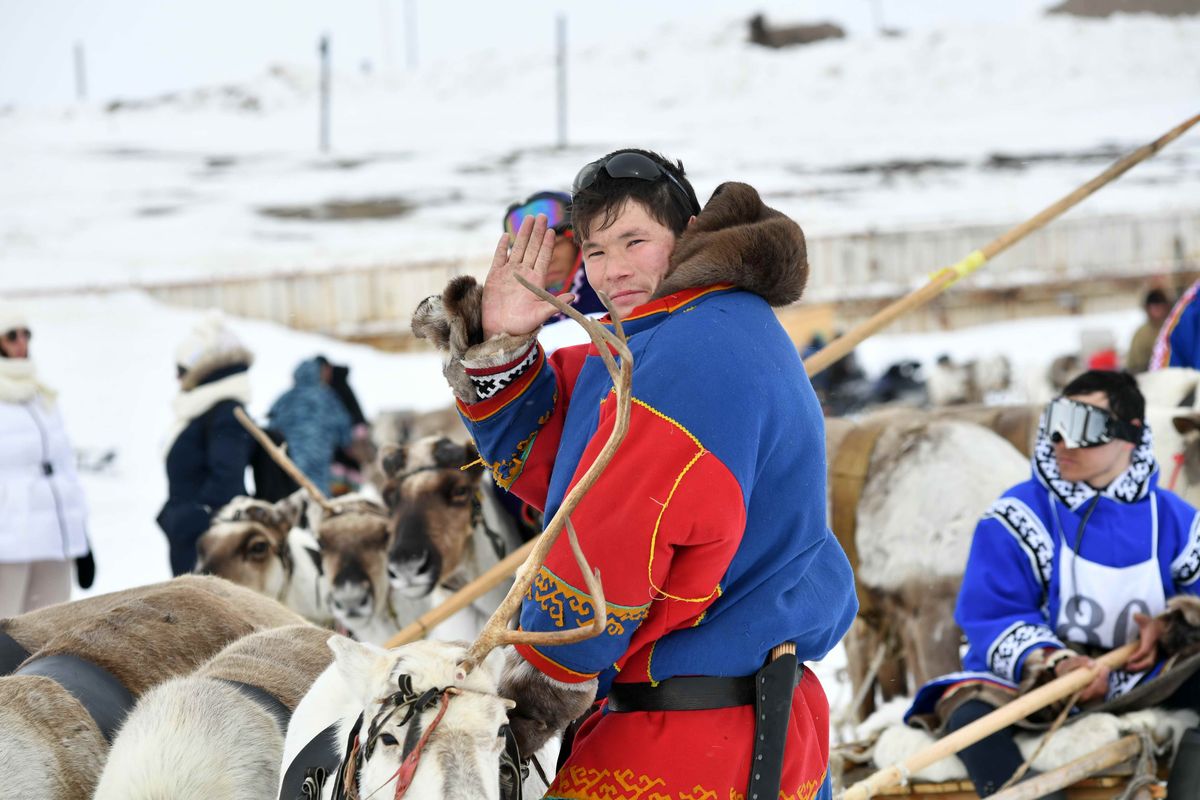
{"x":80,"y":74}
{"x":325,"y":88}
{"x":943,"y":279}
{"x":561,"y":64}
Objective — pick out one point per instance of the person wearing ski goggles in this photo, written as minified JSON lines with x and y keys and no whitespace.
{"x":1076,"y":561}
{"x":565,"y":272}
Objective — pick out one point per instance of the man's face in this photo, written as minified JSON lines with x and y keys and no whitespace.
{"x":1157,"y":312}
{"x":1095,"y":466}
{"x":628,"y":259}
{"x":562,"y":264}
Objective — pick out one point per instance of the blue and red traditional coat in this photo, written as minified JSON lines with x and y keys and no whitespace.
{"x":708,"y":527}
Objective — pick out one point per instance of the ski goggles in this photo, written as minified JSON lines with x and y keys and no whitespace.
{"x":633,"y":165}
{"x":556,"y":206}
{"x":1078,"y":425}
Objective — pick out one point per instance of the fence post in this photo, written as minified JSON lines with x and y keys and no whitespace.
{"x":80,"y":74}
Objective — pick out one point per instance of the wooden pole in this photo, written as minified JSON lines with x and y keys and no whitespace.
{"x":840,"y":347}
{"x":281,"y":458}
{"x":1001,"y":718}
{"x":1107,"y":756}
{"x":498,"y":574}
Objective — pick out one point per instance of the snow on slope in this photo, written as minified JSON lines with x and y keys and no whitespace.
{"x":177,"y":190}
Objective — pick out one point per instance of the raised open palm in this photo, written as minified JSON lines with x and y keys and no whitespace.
{"x":508,"y":307}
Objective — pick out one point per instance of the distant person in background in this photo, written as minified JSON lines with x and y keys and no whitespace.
{"x":313,"y":420}
{"x":348,"y":461}
{"x":207,"y":448}
{"x":43,"y":516}
{"x":1178,"y":342}
{"x":566,"y":272}
{"x":1141,"y":348}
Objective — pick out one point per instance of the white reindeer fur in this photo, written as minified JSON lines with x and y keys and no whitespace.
{"x":899,"y":742}
{"x":466,"y":739}
{"x":903,"y":536}
{"x":198,"y":736}
{"x":194,"y":737}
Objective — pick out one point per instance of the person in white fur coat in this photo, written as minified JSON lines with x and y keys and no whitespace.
{"x":207,"y":448}
{"x":43,"y":516}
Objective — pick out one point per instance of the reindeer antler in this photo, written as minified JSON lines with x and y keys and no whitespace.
{"x":281,"y":458}
{"x":496,"y":631}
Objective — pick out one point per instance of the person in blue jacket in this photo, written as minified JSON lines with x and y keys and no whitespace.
{"x":1178,"y":342}
{"x":1075,"y":561}
{"x":313,"y":421}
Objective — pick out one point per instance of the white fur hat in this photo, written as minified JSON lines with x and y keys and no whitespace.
{"x":210,"y":345}
{"x":12,"y":317}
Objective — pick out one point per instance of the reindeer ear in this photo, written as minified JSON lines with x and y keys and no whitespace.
{"x":358,"y":662}
{"x":391,"y":459}
{"x":292,"y":508}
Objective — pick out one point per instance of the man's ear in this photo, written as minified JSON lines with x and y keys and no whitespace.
{"x":691,"y":220}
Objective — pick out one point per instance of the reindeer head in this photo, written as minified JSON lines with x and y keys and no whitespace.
{"x":426,"y":726}
{"x":354,"y":539}
{"x":433,"y":504}
{"x":247,"y":544}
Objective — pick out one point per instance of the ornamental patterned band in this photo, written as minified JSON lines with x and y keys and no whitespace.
{"x":1030,"y":533}
{"x":1005,"y":653}
{"x":1185,"y":569}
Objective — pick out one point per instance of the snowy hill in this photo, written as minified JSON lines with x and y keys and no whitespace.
{"x":955,"y":124}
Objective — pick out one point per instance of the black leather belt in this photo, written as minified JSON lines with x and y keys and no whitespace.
{"x":769,"y":691}
{"x":269,"y":702}
{"x":11,"y":653}
{"x":96,"y":689}
{"x":312,"y":767}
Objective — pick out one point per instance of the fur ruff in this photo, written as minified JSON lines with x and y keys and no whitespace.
{"x":213,"y":361}
{"x":737,"y":239}
{"x":191,"y":403}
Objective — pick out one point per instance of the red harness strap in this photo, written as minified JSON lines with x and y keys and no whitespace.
{"x":404,"y":775}
{"x":1178,"y":459}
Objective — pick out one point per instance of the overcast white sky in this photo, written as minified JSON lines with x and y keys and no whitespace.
{"x":143,"y":47}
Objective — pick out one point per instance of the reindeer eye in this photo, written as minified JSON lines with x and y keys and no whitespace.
{"x":459,"y":495}
{"x":257,"y":548}
{"x":388,"y":739}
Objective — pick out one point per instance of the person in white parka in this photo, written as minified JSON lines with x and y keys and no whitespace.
{"x":43,"y":516}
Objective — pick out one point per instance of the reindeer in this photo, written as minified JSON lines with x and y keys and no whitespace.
{"x":59,"y":710}
{"x":262,"y":546}
{"x":448,"y":525}
{"x":425,"y":716}
{"x":218,"y":733}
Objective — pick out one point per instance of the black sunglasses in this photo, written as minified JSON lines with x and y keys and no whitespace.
{"x":16,"y":333}
{"x":633,"y":165}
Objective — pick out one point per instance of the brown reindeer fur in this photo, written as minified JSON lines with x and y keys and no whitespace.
{"x":282,"y":661}
{"x":544,"y":706}
{"x":1182,"y":618}
{"x":66,"y":752}
{"x":247,"y":539}
{"x":427,"y":477}
{"x":358,"y":533}
{"x":167,"y":630}
{"x":737,"y":239}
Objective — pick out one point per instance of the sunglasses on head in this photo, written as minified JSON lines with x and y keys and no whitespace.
{"x":556,"y":206}
{"x":1078,"y":425}
{"x":18,"y":333}
{"x":633,"y":165}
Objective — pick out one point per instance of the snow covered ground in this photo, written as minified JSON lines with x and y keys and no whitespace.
{"x":949,"y":123}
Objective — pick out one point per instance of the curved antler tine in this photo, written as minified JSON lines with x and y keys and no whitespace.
{"x":496,"y":631}
{"x":593,"y":628}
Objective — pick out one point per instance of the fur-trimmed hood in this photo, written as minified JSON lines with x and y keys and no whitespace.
{"x":738,"y":239}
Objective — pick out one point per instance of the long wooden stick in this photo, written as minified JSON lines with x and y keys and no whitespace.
{"x":498,"y":574}
{"x":839,"y":347}
{"x":1001,"y":718}
{"x":281,"y":458}
{"x":1107,"y":756}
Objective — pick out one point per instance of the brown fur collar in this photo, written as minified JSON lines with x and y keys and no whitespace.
{"x":737,"y":239}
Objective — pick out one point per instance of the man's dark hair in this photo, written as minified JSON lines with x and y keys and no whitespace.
{"x":601,"y":202}
{"x":1125,"y":399}
{"x":1156,"y":297}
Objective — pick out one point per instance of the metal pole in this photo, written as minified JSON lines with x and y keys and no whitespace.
{"x":410,"y":32}
{"x":80,"y":74}
{"x":561,"y":62}
{"x":325,"y":87}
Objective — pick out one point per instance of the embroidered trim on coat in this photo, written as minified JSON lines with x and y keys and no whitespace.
{"x":1185,"y":569}
{"x":1017,"y":639}
{"x":1030,"y":533}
